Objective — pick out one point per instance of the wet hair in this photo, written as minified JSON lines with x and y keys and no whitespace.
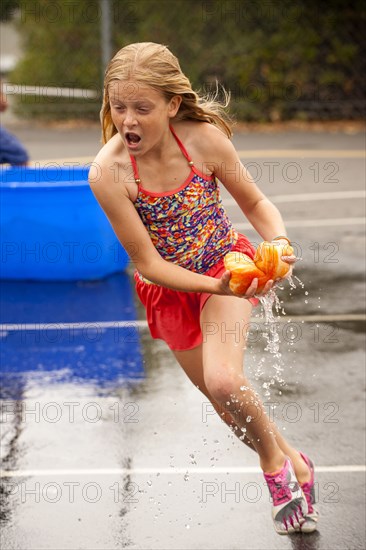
{"x":155,"y":66}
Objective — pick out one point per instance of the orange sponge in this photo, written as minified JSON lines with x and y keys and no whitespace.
{"x":266,"y":265}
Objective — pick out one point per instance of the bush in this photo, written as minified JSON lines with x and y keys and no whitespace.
{"x":281,"y":60}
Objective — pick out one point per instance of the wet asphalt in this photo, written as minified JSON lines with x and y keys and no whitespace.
{"x":105,"y":444}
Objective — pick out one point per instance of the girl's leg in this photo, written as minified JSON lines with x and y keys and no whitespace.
{"x":191,"y":363}
{"x":224,"y":380}
{"x":224,"y":321}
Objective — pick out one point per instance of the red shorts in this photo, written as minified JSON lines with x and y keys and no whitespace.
{"x":174,"y":316}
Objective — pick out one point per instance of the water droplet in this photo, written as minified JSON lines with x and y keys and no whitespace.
{"x":188,"y":526}
{"x":291,"y":282}
{"x":149,"y":483}
{"x":299,"y":281}
{"x":249,"y":418}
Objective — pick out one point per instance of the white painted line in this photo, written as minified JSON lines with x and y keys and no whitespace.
{"x":97,"y":325}
{"x":77,"y":162}
{"x":92,"y":325}
{"x":325,"y":318}
{"x":347,"y":468}
{"x":48,"y":91}
{"x":307,"y":197}
{"x":331,"y":222}
{"x":243,"y":154}
{"x":302,"y":153}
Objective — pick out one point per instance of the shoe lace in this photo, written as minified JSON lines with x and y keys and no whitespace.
{"x":307,"y":490}
{"x":279,"y":490}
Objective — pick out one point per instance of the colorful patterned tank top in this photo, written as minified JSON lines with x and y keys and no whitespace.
{"x":188,"y":226}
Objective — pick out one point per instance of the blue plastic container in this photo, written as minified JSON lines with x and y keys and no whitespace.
{"x":53,"y":349}
{"x":52,"y":227}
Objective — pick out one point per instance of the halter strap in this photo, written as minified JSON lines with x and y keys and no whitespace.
{"x":135,"y":170}
{"x":181,"y":147}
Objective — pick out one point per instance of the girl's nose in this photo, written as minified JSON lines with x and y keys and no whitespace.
{"x":130,"y":118}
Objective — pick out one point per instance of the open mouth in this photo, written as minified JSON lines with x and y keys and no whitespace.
{"x":132,"y":139}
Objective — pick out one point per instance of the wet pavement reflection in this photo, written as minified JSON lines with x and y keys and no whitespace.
{"x":45,"y":342}
{"x":114,"y":448}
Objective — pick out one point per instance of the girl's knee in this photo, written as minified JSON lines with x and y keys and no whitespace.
{"x":223,"y":385}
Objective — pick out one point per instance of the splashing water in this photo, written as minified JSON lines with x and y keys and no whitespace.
{"x":273,"y":359}
{"x":271,"y":332}
{"x":273,"y":340}
{"x":291,"y":278}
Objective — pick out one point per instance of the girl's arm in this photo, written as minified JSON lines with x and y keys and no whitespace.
{"x":131,"y":232}
{"x":261,"y":213}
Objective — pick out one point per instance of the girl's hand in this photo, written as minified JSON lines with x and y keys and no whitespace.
{"x":224,"y":287}
{"x":288,"y":259}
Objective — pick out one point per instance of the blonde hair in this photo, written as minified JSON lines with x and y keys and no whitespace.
{"x":154,"y":65}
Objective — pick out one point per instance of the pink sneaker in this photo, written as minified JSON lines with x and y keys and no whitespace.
{"x":311,"y":518}
{"x":289,"y":502}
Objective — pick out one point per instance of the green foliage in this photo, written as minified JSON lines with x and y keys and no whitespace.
{"x":8,"y":9}
{"x":62,"y":46}
{"x":280,"y":59}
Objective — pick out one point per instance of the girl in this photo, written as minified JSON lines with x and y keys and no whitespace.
{"x":156,"y":179}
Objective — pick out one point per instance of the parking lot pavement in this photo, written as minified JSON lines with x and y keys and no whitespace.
{"x":106,"y":444}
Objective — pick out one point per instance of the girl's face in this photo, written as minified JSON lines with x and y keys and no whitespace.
{"x":141,"y":114}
